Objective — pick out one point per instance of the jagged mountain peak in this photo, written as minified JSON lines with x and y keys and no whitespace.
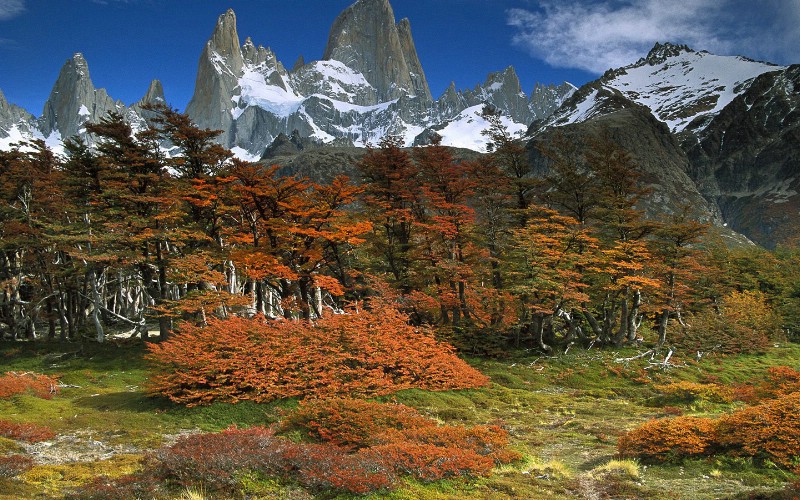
{"x":225,"y":40}
{"x":507,"y":77}
{"x":75,"y":65}
{"x":74,"y":100}
{"x":663,"y":51}
{"x":365,"y":38}
{"x":14,"y":122}
{"x":154,"y":94}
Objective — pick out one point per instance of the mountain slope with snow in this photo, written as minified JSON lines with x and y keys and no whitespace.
{"x":681,"y":87}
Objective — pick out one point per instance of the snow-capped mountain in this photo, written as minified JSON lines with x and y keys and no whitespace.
{"x":72,"y":102}
{"x":681,"y":87}
{"x":369,"y":84}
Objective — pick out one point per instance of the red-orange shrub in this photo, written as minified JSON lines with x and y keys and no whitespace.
{"x":216,"y":459}
{"x":407,"y":442}
{"x":669,"y":439}
{"x":770,"y":430}
{"x":379,"y":443}
{"x":353,"y":423}
{"x":483,"y":440}
{"x":429,"y":462}
{"x":327,"y":467}
{"x":12,"y":383}
{"x":14,"y":465}
{"x":31,"y":433}
{"x":781,"y":381}
{"x":364,"y":354}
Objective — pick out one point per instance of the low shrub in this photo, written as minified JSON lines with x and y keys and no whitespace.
{"x":217,"y":460}
{"x":362,"y":447}
{"x":770,"y":430}
{"x":781,"y":381}
{"x":618,"y":470}
{"x":352,"y":423}
{"x":30,"y":433}
{"x":429,"y":462}
{"x":213,"y":459}
{"x":42,"y":386}
{"x":364,"y":354}
{"x":14,"y":465}
{"x":487,"y":441}
{"x":140,"y":485}
{"x":327,"y":467}
{"x":409,"y":443}
{"x":669,"y":439}
{"x":692,"y":392}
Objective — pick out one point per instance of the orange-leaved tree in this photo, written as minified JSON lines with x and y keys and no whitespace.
{"x":546,"y":273}
{"x":289,"y":237}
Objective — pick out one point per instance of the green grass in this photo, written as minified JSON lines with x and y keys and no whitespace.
{"x":564,"y":414}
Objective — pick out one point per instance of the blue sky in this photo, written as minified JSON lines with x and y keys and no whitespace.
{"x":129,"y":42}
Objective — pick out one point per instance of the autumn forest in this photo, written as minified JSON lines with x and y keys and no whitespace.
{"x":249,"y":286}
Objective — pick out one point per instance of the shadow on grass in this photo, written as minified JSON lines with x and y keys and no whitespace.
{"x":132,"y":401}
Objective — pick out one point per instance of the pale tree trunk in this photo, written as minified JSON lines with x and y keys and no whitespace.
{"x":96,"y":307}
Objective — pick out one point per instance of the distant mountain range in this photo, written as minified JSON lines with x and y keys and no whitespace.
{"x":370,"y":83}
{"x":718,"y":133}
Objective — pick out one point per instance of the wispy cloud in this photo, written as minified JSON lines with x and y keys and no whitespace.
{"x":11,"y":8}
{"x":596,"y":36}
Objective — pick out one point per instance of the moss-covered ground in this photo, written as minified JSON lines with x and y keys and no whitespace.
{"x":564,"y":413}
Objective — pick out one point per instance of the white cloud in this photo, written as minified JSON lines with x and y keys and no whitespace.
{"x":596,"y":36}
{"x":11,"y":8}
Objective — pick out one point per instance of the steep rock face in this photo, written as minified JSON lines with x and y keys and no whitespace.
{"x":545,"y":99}
{"x":418,"y":81}
{"x":747,"y":158}
{"x":74,"y":100}
{"x":365,"y":38}
{"x":218,"y":73}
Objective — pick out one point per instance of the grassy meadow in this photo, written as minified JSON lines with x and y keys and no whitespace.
{"x":563,"y":413}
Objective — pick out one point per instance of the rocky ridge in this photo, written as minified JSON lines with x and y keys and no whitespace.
{"x":351,"y":96}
